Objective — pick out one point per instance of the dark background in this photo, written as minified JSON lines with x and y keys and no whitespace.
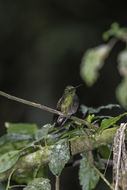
{"x":41,"y":46}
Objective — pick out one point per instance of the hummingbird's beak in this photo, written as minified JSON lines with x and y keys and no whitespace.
{"x":78,"y":86}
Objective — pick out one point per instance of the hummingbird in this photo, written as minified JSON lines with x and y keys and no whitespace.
{"x":67,"y":104}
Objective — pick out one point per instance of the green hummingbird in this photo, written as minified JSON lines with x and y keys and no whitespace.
{"x":67,"y":104}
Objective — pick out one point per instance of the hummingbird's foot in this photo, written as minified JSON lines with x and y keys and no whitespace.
{"x":64,"y":121}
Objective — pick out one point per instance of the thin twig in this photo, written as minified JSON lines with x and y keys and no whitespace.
{"x":105,"y":161}
{"x":108,"y":162}
{"x":14,"y":186}
{"x":102,"y":176}
{"x":9,"y":179}
{"x":43,"y":107}
{"x":91,"y":162}
{"x":36,"y":170}
{"x":57,"y":182}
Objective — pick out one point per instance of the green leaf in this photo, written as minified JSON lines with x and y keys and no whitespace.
{"x":28,"y":175}
{"x":21,"y":128}
{"x":59,"y":156}
{"x":2,"y":187}
{"x":13,"y":138}
{"x":106,"y":123}
{"x":99,"y":164}
{"x":38,"y":184}
{"x":91,"y":63}
{"x":87,"y":176}
{"x":100,"y":117}
{"x":7,"y":160}
{"x":74,"y":132}
{"x":122,"y":63}
{"x":91,"y":110}
{"x":121,"y":91}
{"x":43,"y":131}
{"x":90,"y":117}
{"x":105,"y":151}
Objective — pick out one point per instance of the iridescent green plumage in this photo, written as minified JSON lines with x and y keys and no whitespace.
{"x":68,"y":104}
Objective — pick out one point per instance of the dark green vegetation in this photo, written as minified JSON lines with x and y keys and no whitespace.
{"x":25,"y":154}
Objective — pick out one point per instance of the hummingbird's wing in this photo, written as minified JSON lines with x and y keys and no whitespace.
{"x":59,"y":120}
{"x":75,"y":104}
{"x":59,"y":103}
{"x":55,"y":116}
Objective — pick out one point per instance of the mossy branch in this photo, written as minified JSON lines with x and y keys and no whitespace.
{"x":81,"y":144}
{"x":27,"y":162}
{"x":78,"y":145}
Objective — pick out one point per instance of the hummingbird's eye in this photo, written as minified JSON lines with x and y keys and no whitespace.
{"x":70,"y":91}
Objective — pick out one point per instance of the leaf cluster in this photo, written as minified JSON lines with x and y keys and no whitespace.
{"x":28,"y":150}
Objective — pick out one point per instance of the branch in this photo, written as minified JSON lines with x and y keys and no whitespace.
{"x":102,"y":176}
{"x":87,"y":143}
{"x":45,"y":108}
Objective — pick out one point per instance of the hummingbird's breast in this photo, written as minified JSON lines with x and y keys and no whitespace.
{"x":70,"y":104}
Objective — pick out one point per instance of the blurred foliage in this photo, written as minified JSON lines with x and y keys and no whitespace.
{"x":122,"y":63}
{"x":94,"y":58}
{"x":121,"y":93}
{"x":93,"y":61}
{"x":21,"y":128}
{"x":116,"y":31}
{"x":91,"y":110}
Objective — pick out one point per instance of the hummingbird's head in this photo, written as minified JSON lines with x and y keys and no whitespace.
{"x":69,"y":90}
